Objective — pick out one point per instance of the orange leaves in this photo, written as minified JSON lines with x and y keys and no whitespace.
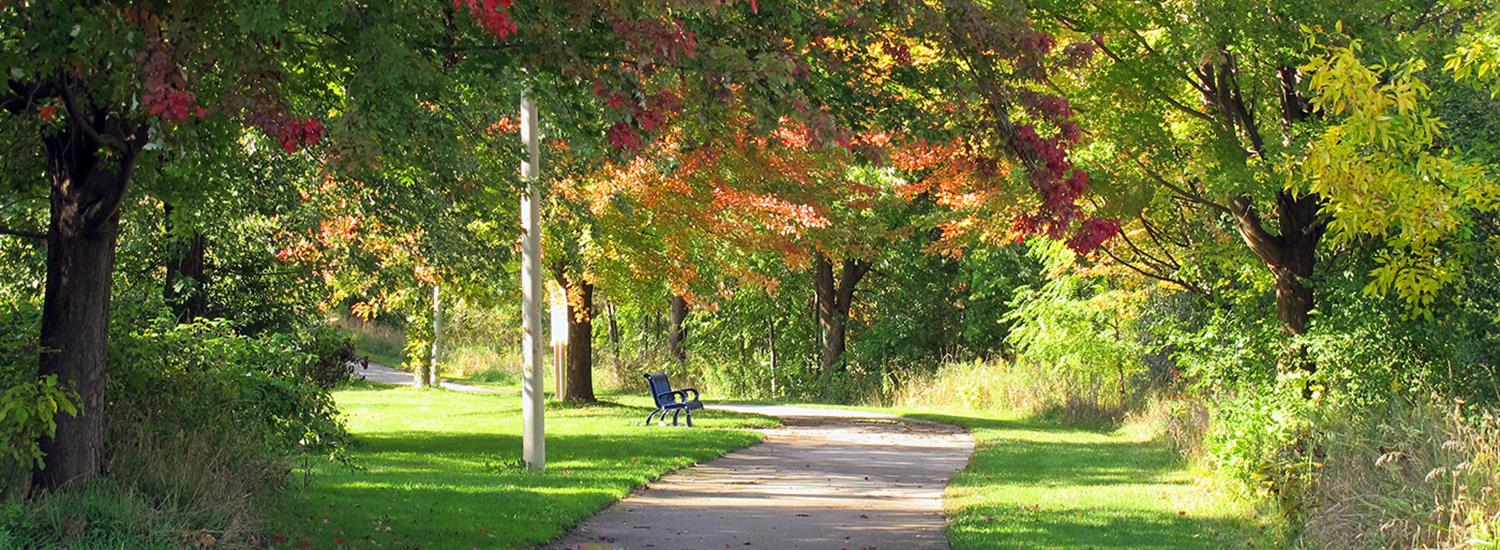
{"x":774,"y":213}
{"x":506,"y":125}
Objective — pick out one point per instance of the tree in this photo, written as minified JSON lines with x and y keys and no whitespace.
{"x":109,"y":80}
{"x":1204,"y":118}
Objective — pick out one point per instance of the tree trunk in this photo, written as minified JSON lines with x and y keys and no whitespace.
{"x":86,"y":189}
{"x":580,"y":386}
{"x":614,"y":328}
{"x":1291,"y":256}
{"x":186,"y":289}
{"x":834,"y":298}
{"x":677,"y":333}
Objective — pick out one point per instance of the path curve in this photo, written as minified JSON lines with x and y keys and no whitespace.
{"x":827,"y":478}
{"x":381,"y":374}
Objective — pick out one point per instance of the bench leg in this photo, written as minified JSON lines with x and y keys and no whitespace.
{"x":674,"y":416}
{"x":649,"y":416}
{"x":690,"y":418}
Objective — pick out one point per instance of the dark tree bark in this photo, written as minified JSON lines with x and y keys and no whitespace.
{"x":186,"y":289}
{"x":834,"y":296}
{"x":614,"y":326}
{"x":676,"y":332}
{"x":90,"y":164}
{"x":580,"y":366}
{"x":1290,"y":256}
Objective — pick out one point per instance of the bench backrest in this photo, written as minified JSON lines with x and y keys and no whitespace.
{"x":659,"y":386}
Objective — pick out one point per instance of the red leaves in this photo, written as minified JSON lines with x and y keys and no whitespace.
{"x":899,"y":53}
{"x":171,"y":106}
{"x":1093,"y":234}
{"x":296,"y":134}
{"x":264,"y":107}
{"x":493,"y":15}
{"x":48,"y":112}
{"x":624,"y":137}
{"x":650,"y":117}
{"x":165,"y":96}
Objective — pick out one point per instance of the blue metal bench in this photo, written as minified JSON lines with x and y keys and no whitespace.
{"x":668,"y":399}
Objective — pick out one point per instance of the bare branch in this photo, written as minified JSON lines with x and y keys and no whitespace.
{"x":23,"y":233}
{"x":1158,"y":276}
{"x":1179,"y":190}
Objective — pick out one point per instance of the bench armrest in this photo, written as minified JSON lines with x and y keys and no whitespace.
{"x":678,"y":396}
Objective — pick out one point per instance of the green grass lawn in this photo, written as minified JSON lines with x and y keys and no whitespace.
{"x":1037,"y":484}
{"x":440,"y":469}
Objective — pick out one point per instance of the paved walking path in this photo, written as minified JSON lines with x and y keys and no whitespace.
{"x":828,"y":478}
{"x":382,"y":374}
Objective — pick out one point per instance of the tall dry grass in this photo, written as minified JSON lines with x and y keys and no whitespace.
{"x":1022,"y":387}
{"x":1422,"y":477}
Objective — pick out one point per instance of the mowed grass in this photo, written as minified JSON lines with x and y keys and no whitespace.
{"x":441,"y":469}
{"x":1036,"y":484}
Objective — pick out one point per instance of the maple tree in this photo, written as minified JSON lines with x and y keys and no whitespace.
{"x":77,"y":68}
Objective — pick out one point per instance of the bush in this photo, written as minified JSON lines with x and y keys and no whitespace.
{"x":203,"y":427}
{"x":203,"y":377}
{"x":1259,"y":441}
{"x":333,"y":356}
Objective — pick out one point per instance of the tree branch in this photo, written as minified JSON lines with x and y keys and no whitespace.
{"x":1160,"y":277}
{"x":23,"y":233}
{"x":1163,"y":95}
{"x":1179,"y":190}
{"x":77,"y":118}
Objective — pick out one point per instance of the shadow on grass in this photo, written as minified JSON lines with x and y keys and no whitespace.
{"x":360,"y":384}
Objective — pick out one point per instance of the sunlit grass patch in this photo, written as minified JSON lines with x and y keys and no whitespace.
{"x":1040,"y":484}
{"x":441,"y":469}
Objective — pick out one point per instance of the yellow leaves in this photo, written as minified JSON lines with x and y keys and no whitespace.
{"x":1383,"y":174}
{"x":1415,"y":275}
{"x":1476,"y":61}
{"x":364,"y":310}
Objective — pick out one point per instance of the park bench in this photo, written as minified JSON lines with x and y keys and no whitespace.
{"x":668,"y":399}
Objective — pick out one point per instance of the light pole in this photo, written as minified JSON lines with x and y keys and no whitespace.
{"x":534,"y":445}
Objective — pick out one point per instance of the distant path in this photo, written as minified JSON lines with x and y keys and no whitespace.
{"x":382,"y":374}
{"x":829,"y":478}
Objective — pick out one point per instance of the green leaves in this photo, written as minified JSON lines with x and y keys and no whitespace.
{"x":28,"y":412}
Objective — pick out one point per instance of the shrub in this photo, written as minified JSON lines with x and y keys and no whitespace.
{"x":27,"y":412}
{"x":333,"y":356}
{"x":202,"y":430}
{"x":1260,"y":442}
{"x":205,"y":377}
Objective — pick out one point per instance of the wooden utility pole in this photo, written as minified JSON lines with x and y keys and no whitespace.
{"x":533,"y":441}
